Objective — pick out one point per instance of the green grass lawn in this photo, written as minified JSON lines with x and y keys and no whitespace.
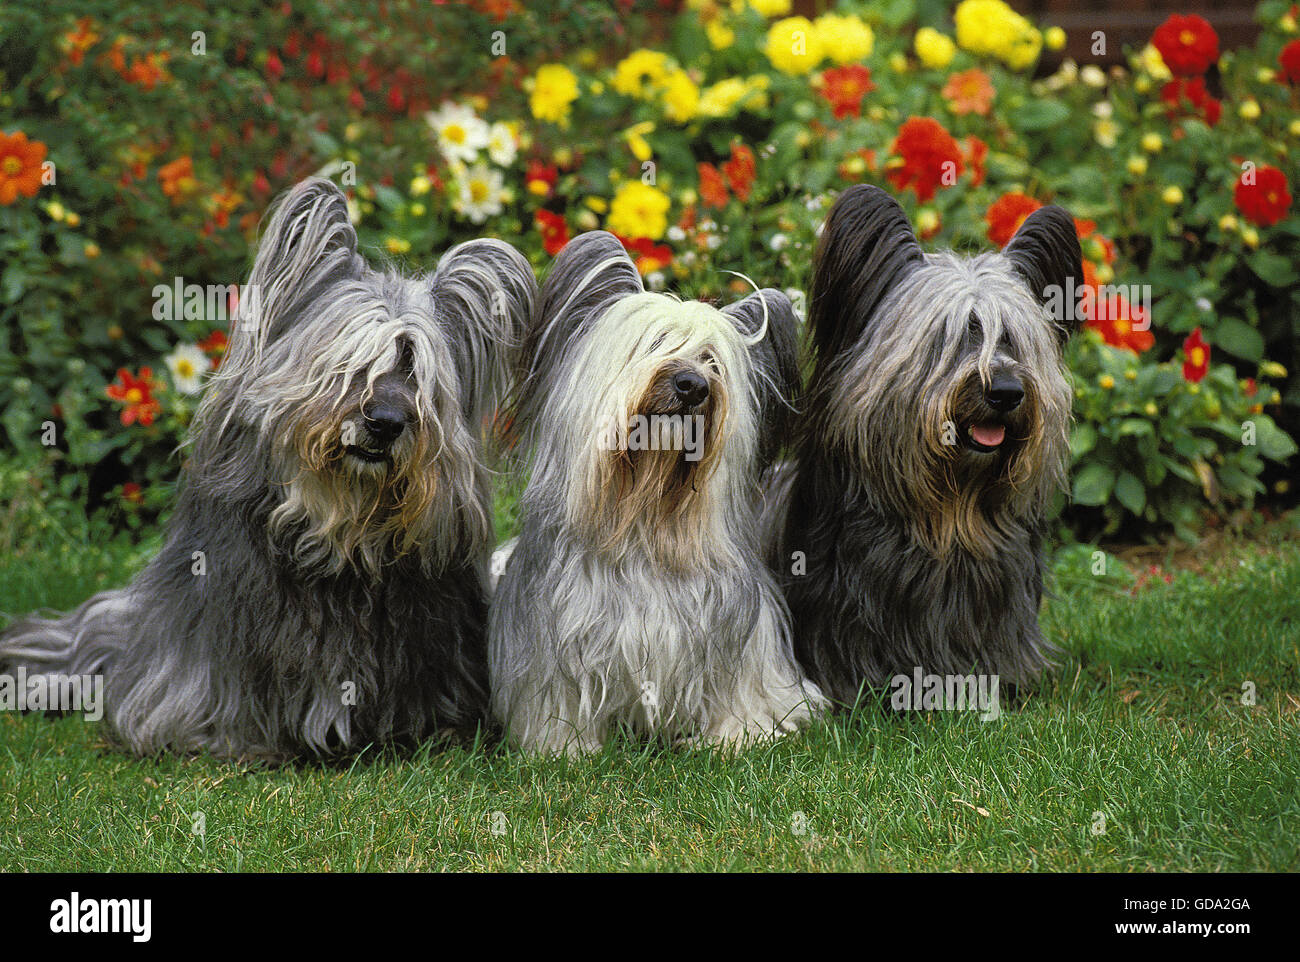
{"x":1144,"y":724}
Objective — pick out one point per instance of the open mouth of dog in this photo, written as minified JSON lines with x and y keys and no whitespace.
{"x":367,"y":455}
{"x":986,"y":437}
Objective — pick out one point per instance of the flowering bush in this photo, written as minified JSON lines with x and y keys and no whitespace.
{"x":713,"y":144}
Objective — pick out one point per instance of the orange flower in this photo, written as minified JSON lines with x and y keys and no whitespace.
{"x":136,"y":393}
{"x":844,"y":88}
{"x":20,"y":166}
{"x":969,"y":92}
{"x":1006,"y":214}
{"x":926,"y":157}
{"x":214,"y":345}
{"x":78,"y":41}
{"x":177,"y":178}
{"x":1119,"y":323}
{"x":131,"y":492}
{"x":741,"y":171}
{"x":1196,"y":357}
{"x":713,"y":189}
{"x":223,"y":203}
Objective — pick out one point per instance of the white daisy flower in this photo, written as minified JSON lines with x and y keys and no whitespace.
{"x":461,"y":133}
{"x":480,"y":194}
{"x":187,"y":364}
{"x":501,"y":145}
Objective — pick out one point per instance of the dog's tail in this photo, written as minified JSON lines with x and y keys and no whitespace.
{"x":84,"y":642}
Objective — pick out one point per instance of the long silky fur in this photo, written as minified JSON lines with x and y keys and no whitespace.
{"x":894,"y":549}
{"x":340,"y":606}
{"x":632,"y":599}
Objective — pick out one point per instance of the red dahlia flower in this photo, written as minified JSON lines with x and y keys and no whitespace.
{"x":1188,"y":45}
{"x":1006,"y":214}
{"x":844,"y":88}
{"x":1196,"y":357}
{"x":555,"y":232}
{"x":1289,"y":62}
{"x":924,"y":150}
{"x":136,"y":393}
{"x":1266,"y":201}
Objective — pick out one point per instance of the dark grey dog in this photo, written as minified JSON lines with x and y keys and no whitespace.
{"x":908,"y":531}
{"x":322,"y":582}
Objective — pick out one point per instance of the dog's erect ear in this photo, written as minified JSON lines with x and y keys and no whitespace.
{"x":308,"y":243}
{"x":483,"y":294}
{"x":776,"y":363}
{"x":590,"y":273}
{"x":1045,"y":252}
{"x":866,"y":247}
{"x":587,"y":276}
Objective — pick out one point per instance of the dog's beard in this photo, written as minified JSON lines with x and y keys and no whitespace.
{"x":661,"y":496}
{"x":349,"y":500}
{"x":957,"y":470}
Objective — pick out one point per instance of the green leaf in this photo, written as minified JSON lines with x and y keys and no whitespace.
{"x":1239,"y":339}
{"x":1138,"y":426}
{"x":1271,"y":440}
{"x":1039,"y":115}
{"x":1092,"y":485}
{"x":1274,"y":269}
{"x":1130,"y":492}
{"x":1083,"y":440}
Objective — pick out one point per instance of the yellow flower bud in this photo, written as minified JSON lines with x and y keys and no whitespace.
{"x":1272,"y":369}
{"x":92,"y":250}
{"x":1249,"y":109}
{"x":1228,"y":222}
{"x":420,"y":186}
{"x":1131,"y":375}
{"x":1152,"y":143}
{"x":1054,"y":38}
{"x":1106,"y":381}
{"x":1150,"y":409}
{"x":1172,"y":195}
{"x":1137,"y":165}
{"x":1250,"y":237}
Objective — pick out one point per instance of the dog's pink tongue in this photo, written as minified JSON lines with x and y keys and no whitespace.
{"x":989,"y":435}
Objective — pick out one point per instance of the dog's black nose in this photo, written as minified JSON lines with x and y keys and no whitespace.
{"x":385,"y":423}
{"x":1005,"y":393}
{"x":692,"y":388}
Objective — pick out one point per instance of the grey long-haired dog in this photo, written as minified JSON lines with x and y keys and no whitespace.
{"x":636,"y":596}
{"x":908,"y":530}
{"x":321,"y":585}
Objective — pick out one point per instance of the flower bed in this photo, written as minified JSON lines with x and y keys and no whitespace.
{"x":712,"y":140}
